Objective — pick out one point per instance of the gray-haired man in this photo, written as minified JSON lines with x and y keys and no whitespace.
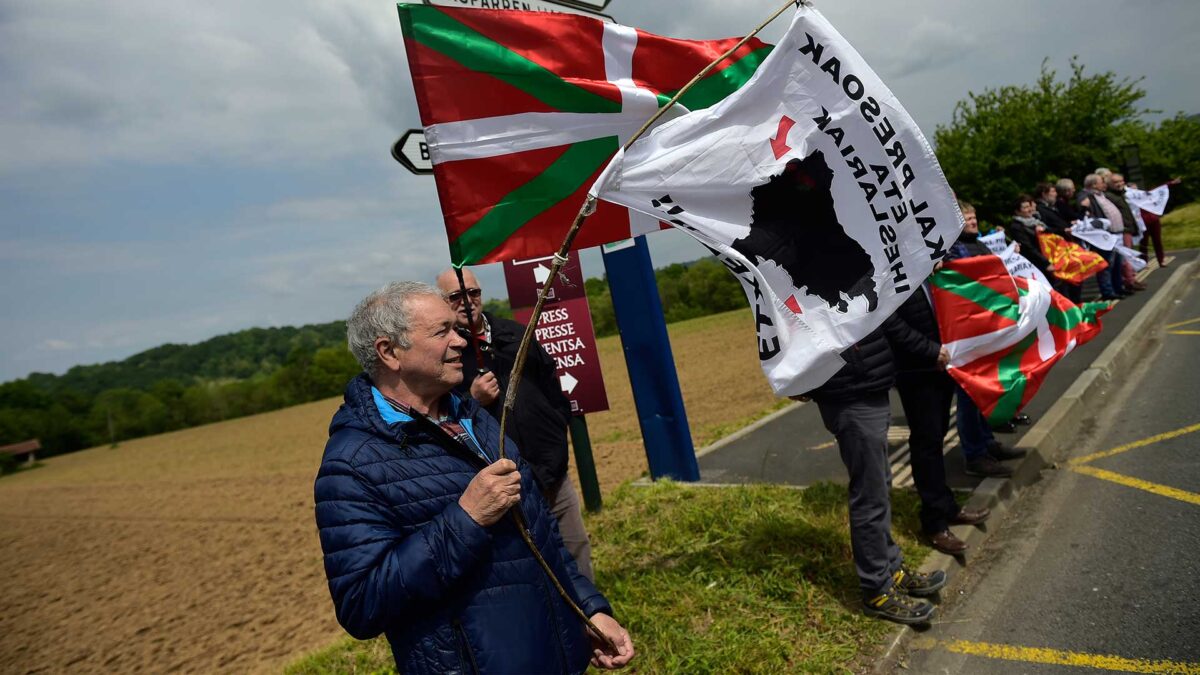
{"x":411,"y":500}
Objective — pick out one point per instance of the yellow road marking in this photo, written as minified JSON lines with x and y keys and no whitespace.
{"x":1182,"y":323}
{"x":1184,"y":332}
{"x":1058,"y":657}
{"x":1128,"y":481}
{"x":1136,"y":444}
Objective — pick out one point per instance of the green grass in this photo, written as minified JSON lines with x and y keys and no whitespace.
{"x":1181,"y":227}
{"x":753,"y":579}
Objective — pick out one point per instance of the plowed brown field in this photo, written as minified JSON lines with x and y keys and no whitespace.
{"x":196,"y":551}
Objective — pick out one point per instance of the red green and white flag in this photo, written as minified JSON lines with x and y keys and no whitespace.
{"x":522,"y":111}
{"x":1005,"y":333}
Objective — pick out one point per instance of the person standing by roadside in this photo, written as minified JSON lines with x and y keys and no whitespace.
{"x":1154,"y":231}
{"x":415,"y":509}
{"x":538,"y":422}
{"x":1067,"y":205}
{"x":981,"y":451}
{"x":1093,"y":200}
{"x":1047,"y":212}
{"x":925,"y":393}
{"x":855,"y":408}
{"x":1116,"y":195}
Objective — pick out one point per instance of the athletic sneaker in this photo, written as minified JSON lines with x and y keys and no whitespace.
{"x":917,"y":584}
{"x":898,"y":607}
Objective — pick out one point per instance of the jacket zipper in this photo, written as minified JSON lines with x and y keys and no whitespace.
{"x":465,"y":645}
{"x":551,"y":594}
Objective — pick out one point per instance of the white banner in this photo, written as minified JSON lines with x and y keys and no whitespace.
{"x":994,"y":241}
{"x":1019,"y":266}
{"x":813,"y":186}
{"x":1134,"y":257}
{"x":1154,"y":201}
{"x":1095,"y":232}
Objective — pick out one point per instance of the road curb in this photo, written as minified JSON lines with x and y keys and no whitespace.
{"x":1049,"y":440}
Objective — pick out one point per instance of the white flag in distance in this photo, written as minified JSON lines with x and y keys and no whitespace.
{"x":814,"y":186}
{"x":1154,"y":201}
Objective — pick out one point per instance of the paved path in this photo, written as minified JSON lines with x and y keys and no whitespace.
{"x":1096,"y":569}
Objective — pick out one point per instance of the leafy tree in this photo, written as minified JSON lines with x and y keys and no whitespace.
{"x":1169,"y":150}
{"x":1004,"y":141}
{"x":119,"y":414}
{"x":23,"y":394}
{"x":331,"y":369}
{"x":8,"y":464}
{"x":500,"y":308}
{"x":604,"y":320}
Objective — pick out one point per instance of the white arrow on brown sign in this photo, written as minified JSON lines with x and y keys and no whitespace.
{"x":567,"y":382}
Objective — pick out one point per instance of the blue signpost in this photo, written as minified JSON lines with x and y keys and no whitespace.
{"x":648,"y":357}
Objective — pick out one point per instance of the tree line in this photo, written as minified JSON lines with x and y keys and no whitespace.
{"x":176,"y":386}
{"x":1004,"y":141}
{"x":256,"y":370}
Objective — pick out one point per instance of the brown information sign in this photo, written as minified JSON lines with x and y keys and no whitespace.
{"x":565,"y":328}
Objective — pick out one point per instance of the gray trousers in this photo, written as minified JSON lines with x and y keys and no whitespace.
{"x":860,"y":427}
{"x":564,"y":506}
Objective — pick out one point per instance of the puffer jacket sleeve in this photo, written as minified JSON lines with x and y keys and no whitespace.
{"x":591,"y":601}
{"x":377,"y":573}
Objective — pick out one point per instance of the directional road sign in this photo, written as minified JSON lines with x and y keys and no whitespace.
{"x":413,"y":152}
{"x":590,"y":5}
{"x":585,"y":7}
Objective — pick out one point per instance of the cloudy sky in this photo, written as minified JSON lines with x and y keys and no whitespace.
{"x":171,"y":171}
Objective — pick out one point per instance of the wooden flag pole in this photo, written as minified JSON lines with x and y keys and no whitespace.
{"x":560,"y":259}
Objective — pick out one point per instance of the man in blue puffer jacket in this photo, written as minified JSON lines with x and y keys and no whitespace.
{"x":411,"y":500}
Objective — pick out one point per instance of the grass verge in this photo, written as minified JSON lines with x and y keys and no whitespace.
{"x":1181,"y":227}
{"x":751,"y":579}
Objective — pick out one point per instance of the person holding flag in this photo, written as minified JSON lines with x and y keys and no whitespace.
{"x":539,"y":424}
{"x":855,"y":408}
{"x":430,"y":536}
{"x":1093,"y":200}
{"x":982,"y":453}
{"x":925,"y":393}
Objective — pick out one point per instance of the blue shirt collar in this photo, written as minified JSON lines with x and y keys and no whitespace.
{"x":392,"y":416}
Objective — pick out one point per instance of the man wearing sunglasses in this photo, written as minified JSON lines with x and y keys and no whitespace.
{"x":538,"y":422}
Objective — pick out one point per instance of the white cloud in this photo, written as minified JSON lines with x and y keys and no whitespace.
{"x":148,"y":81}
{"x":77,"y":257}
{"x":930,"y":45}
{"x":350,"y":264}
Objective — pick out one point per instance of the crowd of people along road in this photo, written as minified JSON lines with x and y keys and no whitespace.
{"x":906,"y":352}
{"x":470,"y":562}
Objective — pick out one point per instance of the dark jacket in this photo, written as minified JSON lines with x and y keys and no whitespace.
{"x":1122,"y":204}
{"x":1055,"y":223}
{"x":541,"y":413}
{"x":404,"y":559}
{"x":918,"y":330}
{"x":1068,"y":209}
{"x":870,"y":363}
{"x":967,"y":246}
{"x":1031,"y":248}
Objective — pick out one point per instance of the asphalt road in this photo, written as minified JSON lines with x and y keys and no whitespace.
{"x":1098,"y":565}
